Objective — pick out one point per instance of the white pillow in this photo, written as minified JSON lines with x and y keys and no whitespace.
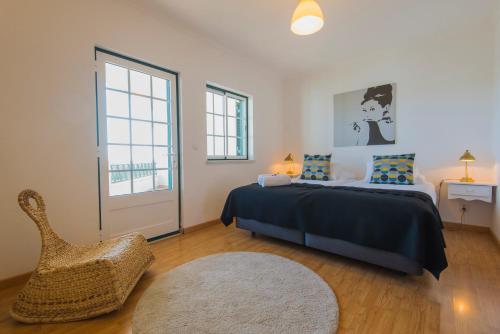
{"x":338,"y":172}
{"x":333,"y":174}
{"x":369,"y":171}
{"x":418,"y":178}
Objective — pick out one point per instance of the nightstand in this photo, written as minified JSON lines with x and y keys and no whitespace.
{"x":471,"y":191}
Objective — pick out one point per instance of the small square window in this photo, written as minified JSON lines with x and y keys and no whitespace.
{"x":226,"y":119}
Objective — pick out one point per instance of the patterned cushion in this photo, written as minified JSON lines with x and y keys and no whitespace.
{"x":316,"y":167}
{"x":393,"y":169}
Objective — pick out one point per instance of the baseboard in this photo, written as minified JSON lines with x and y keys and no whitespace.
{"x":465,"y":227}
{"x":22,"y":278}
{"x":15,"y":280}
{"x":200,"y":226}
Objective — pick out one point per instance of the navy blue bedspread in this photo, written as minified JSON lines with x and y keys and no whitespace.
{"x":399,"y":221}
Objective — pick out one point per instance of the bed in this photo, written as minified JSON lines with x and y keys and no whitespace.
{"x":396,"y":227}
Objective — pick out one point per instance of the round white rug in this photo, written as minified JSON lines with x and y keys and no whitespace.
{"x":240,"y":292}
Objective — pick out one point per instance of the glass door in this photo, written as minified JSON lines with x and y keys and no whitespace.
{"x":137,"y":147}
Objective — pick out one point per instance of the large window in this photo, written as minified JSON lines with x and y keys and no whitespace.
{"x":138,"y":119}
{"x":227,"y":135}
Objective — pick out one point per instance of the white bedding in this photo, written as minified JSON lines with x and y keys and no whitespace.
{"x":425,"y":187}
{"x":331,"y":183}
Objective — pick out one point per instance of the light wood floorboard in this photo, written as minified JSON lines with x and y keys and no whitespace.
{"x":371,"y":299}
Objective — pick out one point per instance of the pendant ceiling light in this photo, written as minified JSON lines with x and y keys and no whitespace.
{"x":307,"y":18}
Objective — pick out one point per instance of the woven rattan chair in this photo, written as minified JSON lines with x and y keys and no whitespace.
{"x":78,"y":282}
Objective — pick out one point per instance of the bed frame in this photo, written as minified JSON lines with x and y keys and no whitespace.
{"x":336,"y":246}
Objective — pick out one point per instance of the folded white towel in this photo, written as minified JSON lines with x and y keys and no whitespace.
{"x":272,"y":180}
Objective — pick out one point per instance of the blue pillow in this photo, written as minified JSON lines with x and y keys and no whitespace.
{"x":393,"y":169}
{"x":316,"y":167}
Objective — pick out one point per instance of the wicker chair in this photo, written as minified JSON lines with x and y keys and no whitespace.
{"x":78,"y":282}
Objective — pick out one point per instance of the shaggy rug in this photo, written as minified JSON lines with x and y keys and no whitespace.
{"x":240,"y":292}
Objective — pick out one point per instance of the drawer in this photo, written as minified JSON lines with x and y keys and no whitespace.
{"x":469,"y":190}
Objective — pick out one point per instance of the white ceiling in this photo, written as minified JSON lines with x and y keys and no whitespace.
{"x":261,"y":28}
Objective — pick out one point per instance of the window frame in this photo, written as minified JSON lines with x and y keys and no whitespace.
{"x":231,"y":94}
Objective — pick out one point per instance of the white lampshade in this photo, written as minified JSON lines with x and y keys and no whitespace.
{"x":307,"y":18}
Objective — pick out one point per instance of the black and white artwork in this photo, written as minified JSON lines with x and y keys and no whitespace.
{"x":365,"y":117}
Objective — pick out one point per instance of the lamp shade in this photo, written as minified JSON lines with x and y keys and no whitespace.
{"x":289,"y":157}
{"x":467,"y":157}
{"x":307,"y":18}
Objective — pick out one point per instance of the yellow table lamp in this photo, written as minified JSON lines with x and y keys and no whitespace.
{"x":289,"y":162}
{"x":467,"y":157}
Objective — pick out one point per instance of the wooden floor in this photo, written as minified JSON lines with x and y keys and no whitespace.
{"x":371,"y":299}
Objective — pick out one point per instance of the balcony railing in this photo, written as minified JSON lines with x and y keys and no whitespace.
{"x":122,"y":172}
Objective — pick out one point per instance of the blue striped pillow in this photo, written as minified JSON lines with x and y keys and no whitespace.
{"x":316,"y":167}
{"x":393,"y":169}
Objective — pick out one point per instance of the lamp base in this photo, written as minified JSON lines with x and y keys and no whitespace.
{"x":467,"y":180}
{"x":290,"y":172}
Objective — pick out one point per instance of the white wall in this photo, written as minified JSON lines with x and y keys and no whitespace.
{"x":444,"y":106}
{"x":47,"y":105}
{"x":496,"y":127}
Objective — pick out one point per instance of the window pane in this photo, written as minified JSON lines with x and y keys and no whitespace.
{"x":116,"y":103}
{"x":231,"y":126}
{"x":161,"y":157}
{"x":140,"y":83}
{"x":231,"y":146}
{"x":219,"y":125}
{"x":142,"y":157}
{"x":218,"y":104}
{"x":119,"y":183}
{"x":231,"y":107}
{"x":240,"y":108}
{"x":219,"y":145}
{"x":210,"y":102}
{"x":141,"y":133}
{"x":160,"y":111}
{"x":240,"y":128}
{"x":210,"y":124}
{"x":162,"y":180}
{"x":143,"y":181}
{"x":141,"y":107}
{"x":116,"y":77}
{"x":159,"y":88}
{"x":226,"y":124}
{"x":210,"y":145}
{"x":118,"y":157}
{"x":161,"y":134}
{"x":118,"y":131}
{"x":241,"y":147}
